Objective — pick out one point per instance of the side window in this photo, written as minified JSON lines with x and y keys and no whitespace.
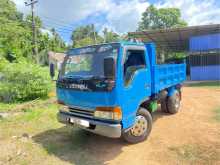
{"x":134,"y":60}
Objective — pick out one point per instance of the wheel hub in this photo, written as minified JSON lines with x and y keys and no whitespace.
{"x":140,"y":126}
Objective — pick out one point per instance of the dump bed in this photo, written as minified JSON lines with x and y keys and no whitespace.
{"x":167,"y":75}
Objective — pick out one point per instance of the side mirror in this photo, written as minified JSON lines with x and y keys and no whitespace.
{"x":52,"y":71}
{"x":109,"y":67}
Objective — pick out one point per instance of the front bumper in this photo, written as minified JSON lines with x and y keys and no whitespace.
{"x":97,"y":127}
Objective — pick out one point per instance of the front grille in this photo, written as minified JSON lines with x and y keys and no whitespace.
{"x":80,"y":112}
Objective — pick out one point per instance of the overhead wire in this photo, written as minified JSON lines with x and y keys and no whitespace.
{"x":59,"y":26}
{"x":57,"y":23}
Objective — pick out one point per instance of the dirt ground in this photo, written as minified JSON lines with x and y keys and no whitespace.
{"x":190,"y":137}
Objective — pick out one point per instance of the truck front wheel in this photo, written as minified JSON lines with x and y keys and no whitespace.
{"x":173,"y":102}
{"x":141,"y":129}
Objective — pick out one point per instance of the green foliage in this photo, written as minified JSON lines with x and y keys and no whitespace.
{"x":14,"y":38}
{"x":84,"y":35}
{"x":16,"y":35}
{"x":38,"y":22}
{"x":3,"y":63}
{"x":87,"y":35}
{"x":56,"y":44}
{"x":8,"y":10}
{"x":48,"y":43}
{"x":83,"y":42}
{"x":154,"y":18}
{"x":23,"y":81}
{"x":84,"y":32}
{"x":172,"y":56}
{"x":110,"y":36}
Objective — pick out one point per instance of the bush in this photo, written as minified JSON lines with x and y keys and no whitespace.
{"x":23,"y":82}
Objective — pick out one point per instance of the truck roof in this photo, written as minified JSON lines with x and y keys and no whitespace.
{"x":132,"y":43}
{"x":120,"y":42}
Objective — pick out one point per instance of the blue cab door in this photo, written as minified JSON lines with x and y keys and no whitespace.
{"x":136,"y":82}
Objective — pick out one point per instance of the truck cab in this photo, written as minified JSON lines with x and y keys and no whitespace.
{"x":113,"y":89}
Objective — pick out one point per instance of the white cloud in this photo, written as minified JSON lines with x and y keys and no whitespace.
{"x":195,"y":12}
{"x":121,"y":15}
{"x":21,"y":6}
{"x":125,"y":16}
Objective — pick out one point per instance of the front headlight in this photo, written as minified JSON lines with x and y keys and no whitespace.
{"x":111,"y":113}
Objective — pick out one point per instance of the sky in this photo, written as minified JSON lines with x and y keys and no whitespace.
{"x":121,"y":16}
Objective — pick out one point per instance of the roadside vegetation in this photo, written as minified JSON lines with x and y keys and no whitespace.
{"x":5,"y":107}
{"x":23,"y":82}
{"x":21,"y":78}
{"x":16,"y":35}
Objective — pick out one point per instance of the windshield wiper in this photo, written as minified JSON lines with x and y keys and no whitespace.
{"x":97,"y":78}
{"x":73,"y":77}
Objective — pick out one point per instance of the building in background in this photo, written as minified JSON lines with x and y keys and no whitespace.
{"x":204,"y":57}
{"x":56,"y":59}
{"x":200,"y":43}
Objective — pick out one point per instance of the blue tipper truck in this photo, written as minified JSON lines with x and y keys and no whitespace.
{"x":113,"y":89}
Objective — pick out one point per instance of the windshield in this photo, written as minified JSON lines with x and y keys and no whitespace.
{"x":88,"y":62}
{"x":89,"y":69}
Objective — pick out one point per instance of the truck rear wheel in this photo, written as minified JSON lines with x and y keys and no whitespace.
{"x":163,"y":101}
{"x":164,"y":105}
{"x":173,"y":103}
{"x":141,"y":129}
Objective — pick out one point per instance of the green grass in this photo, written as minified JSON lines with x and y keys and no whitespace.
{"x":217,"y":114}
{"x":30,"y":120}
{"x":213,"y":84}
{"x":18,"y":107}
{"x":5,"y":107}
{"x":50,"y":142}
{"x":38,"y":118}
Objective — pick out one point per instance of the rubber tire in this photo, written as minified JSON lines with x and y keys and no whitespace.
{"x":164,"y":105}
{"x":172,"y":109}
{"x":136,"y":139}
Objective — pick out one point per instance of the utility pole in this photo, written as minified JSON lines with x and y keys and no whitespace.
{"x":34,"y":42}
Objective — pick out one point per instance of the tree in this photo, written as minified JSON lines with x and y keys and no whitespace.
{"x":110,"y":36}
{"x":84,"y":42}
{"x":154,"y":18}
{"x":16,"y":34}
{"x":13,"y":34}
{"x":88,"y":35}
{"x":8,"y":10}
{"x":85,"y":35}
{"x":49,"y":42}
{"x":56,"y":42}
